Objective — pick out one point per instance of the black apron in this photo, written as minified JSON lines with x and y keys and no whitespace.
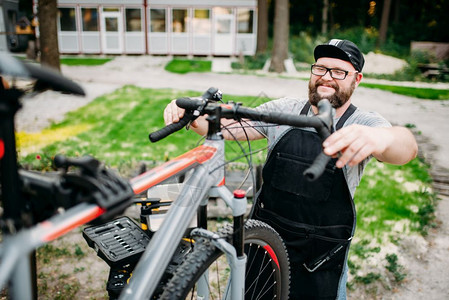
{"x":315,"y":219}
{"x":2,"y":87}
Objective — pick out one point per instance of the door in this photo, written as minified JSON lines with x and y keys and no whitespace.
{"x":112,"y":32}
{"x":224,"y":34}
{"x":180,"y":37}
{"x":3,"y":44}
{"x":158,"y":36}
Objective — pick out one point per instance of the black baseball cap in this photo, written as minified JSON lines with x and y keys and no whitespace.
{"x":341,"y":49}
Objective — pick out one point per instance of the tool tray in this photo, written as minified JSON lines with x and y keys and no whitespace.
{"x":119,"y":243}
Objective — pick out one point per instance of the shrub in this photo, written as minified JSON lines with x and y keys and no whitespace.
{"x":255,"y":62}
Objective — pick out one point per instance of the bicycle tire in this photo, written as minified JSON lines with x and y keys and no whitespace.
{"x":261,"y":242}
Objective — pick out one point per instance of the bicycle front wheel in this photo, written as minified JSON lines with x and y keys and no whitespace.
{"x":267,"y":269}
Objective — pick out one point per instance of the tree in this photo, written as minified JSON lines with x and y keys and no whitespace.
{"x":324,"y":19}
{"x":384,"y":23}
{"x":262,"y":26}
{"x":48,"y":33}
{"x":280,"y":36}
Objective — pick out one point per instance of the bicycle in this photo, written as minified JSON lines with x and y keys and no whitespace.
{"x":207,"y":180}
{"x":205,"y":165}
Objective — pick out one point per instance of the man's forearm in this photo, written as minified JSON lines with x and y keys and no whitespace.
{"x":401,"y":146}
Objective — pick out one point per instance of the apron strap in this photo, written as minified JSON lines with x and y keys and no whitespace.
{"x":351,"y":109}
{"x":305,"y":109}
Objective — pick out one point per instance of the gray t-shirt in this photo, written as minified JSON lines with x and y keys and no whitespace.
{"x":294,"y":106}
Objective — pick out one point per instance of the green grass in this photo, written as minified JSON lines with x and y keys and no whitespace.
{"x":183,"y":66}
{"x":392,"y":203}
{"x":84,"y":61}
{"x":115,"y":127}
{"x":421,"y":93}
{"x":390,"y":194}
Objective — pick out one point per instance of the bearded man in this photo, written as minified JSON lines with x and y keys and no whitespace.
{"x":317,"y":220}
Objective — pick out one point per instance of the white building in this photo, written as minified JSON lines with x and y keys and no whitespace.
{"x":168,"y":27}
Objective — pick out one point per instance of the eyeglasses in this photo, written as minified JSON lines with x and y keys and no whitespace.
{"x":335,"y":73}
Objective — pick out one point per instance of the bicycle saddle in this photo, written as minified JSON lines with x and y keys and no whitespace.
{"x":45,"y":77}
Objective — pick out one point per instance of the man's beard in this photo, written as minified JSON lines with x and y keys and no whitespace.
{"x":338,"y":99}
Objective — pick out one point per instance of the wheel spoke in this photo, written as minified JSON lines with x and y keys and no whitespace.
{"x":253,"y":257}
{"x":260,"y":295}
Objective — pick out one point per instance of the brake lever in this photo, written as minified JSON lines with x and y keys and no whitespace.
{"x":213,"y":94}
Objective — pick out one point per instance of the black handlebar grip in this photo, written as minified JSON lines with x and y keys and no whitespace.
{"x":189,"y":103}
{"x":317,"y":168}
{"x":169,"y":129}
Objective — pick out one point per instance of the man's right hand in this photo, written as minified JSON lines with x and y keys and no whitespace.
{"x":173,"y":113}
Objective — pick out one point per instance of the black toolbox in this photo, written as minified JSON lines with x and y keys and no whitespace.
{"x":120,"y":242}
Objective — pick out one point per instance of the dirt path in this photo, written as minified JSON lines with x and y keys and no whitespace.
{"x":427,"y":264}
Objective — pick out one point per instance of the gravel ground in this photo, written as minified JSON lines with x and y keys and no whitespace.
{"x":428,"y":275}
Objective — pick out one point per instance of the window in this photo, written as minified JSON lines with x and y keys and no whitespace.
{"x":201,"y":21}
{"x":90,"y":19}
{"x":222,"y":11}
{"x":111,"y":9}
{"x":111,"y":24}
{"x":67,"y":19}
{"x":223,"y":26}
{"x":179,"y":20}
{"x":133,"y":19}
{"x":245,"y":20}
{"x":157,"y":17}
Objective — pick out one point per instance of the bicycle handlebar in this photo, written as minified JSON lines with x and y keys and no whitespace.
{"x":212,"y":94}
{"x":321,"y":122}
{"x":171,"y":128}
{"x":189,"y":103}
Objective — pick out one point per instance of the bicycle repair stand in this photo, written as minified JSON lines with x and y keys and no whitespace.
{"x":14,"y":216}
{"x":121,"y":243}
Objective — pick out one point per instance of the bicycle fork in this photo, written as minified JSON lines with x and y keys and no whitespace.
{"x":234,"y":252}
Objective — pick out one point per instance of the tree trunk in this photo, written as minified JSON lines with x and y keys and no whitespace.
{"x":262,"y":26}
{"x":331,"y":19}
{"x":48,"y":33}
{"x":280,"y":36}
{"x":324,"y":19}
{"x":397,"y":11}
{"x":384,"y":23}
